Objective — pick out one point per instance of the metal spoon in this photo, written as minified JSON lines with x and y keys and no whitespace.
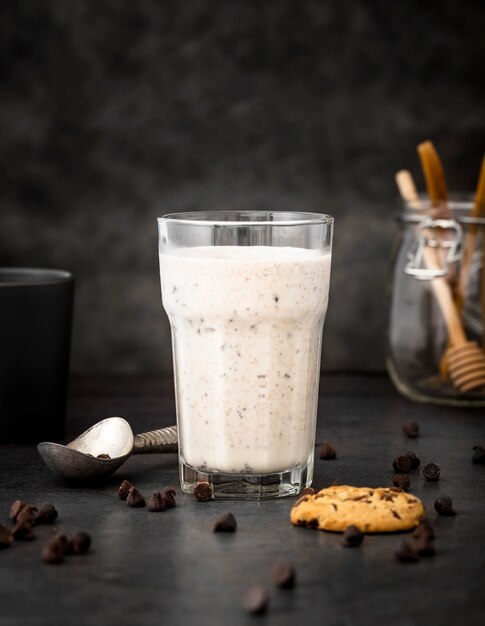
{"x":113,"y":436}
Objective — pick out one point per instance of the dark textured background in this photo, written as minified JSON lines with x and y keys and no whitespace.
{"x":113,"y":112}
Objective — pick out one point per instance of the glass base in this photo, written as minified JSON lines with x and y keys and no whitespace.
{"x":247,"y":486}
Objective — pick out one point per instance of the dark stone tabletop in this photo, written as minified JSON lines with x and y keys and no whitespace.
{"x":170,"y":568}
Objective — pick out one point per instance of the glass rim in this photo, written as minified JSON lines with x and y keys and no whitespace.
{"x":32,"y":276}
{"x":458,"y":204}
{"x":283,"y":218}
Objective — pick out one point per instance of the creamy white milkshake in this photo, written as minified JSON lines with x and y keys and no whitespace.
{"x":247,"y":328}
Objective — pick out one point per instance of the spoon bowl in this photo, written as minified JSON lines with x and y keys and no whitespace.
{"x":77,"y":461}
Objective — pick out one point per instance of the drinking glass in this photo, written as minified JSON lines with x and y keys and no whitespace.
{"x":246,"y":294}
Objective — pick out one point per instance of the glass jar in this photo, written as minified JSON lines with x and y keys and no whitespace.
{"x":418,"y":335}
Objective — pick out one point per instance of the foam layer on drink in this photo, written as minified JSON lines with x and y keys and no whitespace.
{"x":246,"y":329}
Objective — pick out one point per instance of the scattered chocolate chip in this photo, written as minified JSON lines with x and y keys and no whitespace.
{"x":431,"y":472}
{"x":15,"y":509}
{"x":168,"y":494}
{"x":156,"y":503}
{"x":415,"y":462}
{"x":256,"y":600}
{"x":124,"y":489}
{"x":308,"y":491}
{"x":327,"y":451}
{"x":283,"y":575}
{"x":226,"y":523}
{"x":444,"y":506}
{"x":405,"y":553}
{"x":104,"y":456}
{"x":202,"y":492}
{"x":52,"y":553}
{"x":424,"y":529}
{"x":401,"y":465}
{"x":61,"y":540}
{"x":27,"y":514}
{"x":23,"y":531}
{"x":411,"y":429}
{"x":80,"y":543}
{"x":478,"y":455}
{"x":402,"y":481}
{"x":135,"y":498}
{"x":6,"y":536}
{"x":423,"y":546}
{"x":352,"y":537}
{"x":46,"y":514}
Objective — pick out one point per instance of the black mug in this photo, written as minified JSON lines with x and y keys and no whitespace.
{"x":35,"y":340}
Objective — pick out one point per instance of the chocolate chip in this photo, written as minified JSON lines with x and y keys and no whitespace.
{"x":423,"y":546}
{"x":27,"y":514}
{"x":104,"y":456}
{"x":352,"y":537}
{"x":308,"y":491}
{"x":226,"y":523}
{"x":168,"y":494}
{"x":415,"y":462}
{"x":124,"y":489}
{"x":6,"y":537}
{"x":202,"y":492}
{"x":15,"y":509}
{"x":402,"y":481}
{"x":135,"y":498}
{"x":47,"y":514}
{"x":411,"y":429}
{"x":327,"y":451}
{"x":431,"y":472}
{"x":478,"y":455}
{"x":256,"y":600}
{"x":444,"y":506}
{"x":402,"y":465}
{"x":424,"y":529}
{"x":52,"y":553}
{"x":80,"y":543}
{"x":405,"y":553}
{"x":23,"y":531}
{"x":283,"y":575}
{"x":62,"y":541}
{"x":156,"y":503}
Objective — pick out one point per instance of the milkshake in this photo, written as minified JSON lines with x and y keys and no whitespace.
{"x":247,"y":326}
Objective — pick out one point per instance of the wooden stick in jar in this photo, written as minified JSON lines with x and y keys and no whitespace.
{"x":478,"y":210}
{"x":456,"y":334}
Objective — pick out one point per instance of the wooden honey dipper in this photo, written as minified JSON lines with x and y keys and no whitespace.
{"x":465,"y":361}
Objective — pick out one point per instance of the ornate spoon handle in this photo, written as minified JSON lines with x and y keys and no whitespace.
{"x":163,"y":440}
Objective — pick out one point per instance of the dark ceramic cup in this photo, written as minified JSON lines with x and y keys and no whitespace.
{"x":35,"y":337}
